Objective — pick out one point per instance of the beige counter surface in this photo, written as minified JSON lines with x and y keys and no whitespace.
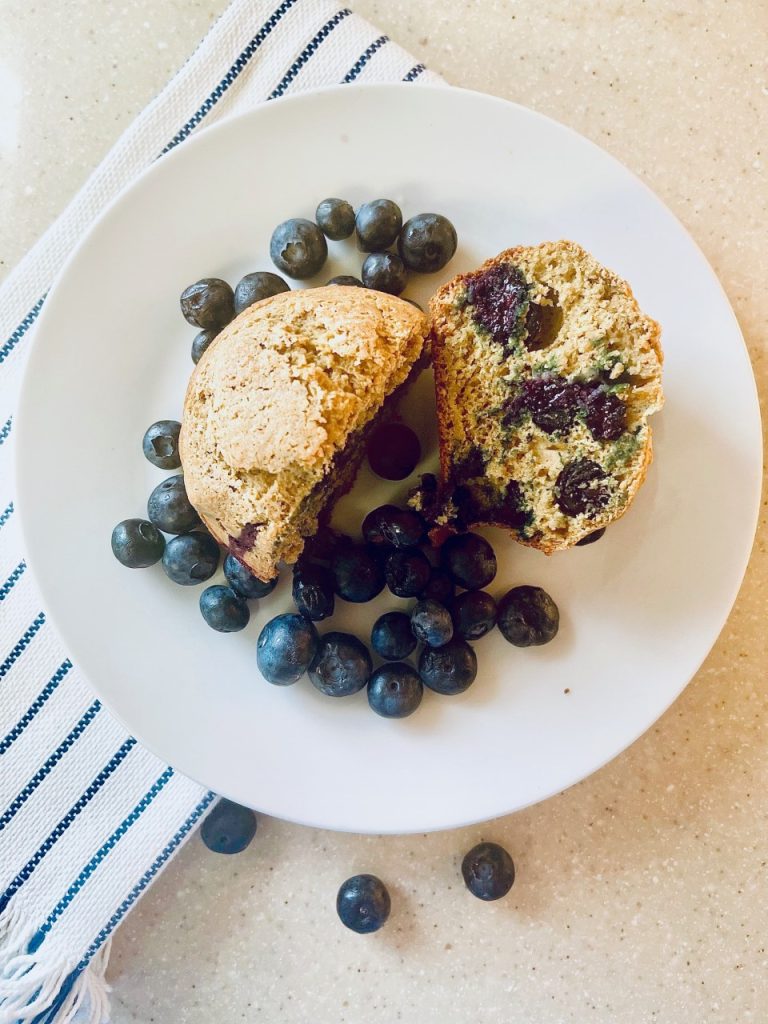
{"x":642,"y":893}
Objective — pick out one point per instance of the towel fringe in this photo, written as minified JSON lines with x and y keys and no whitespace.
{"x":36,"y":991}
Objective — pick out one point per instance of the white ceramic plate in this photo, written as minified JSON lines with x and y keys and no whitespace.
{"x":640,"y":609}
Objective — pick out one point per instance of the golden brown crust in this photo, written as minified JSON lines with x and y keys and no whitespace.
{"x":274,"y":399}
{"x":565,"y":265}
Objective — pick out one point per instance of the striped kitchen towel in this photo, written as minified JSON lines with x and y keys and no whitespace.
{"x":87,"y":817}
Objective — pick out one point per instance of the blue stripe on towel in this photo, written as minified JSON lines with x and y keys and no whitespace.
{"x":103,"y":851}
{"x":363,"y":59}
{"x":49,"y":764}
{"x":307,"y":52}
{"x":35,"y":706}
{"x":109,"y":768}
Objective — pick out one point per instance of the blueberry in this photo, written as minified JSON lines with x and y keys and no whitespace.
{"x":440,"y":587}
{"x":427,"y":242}
{"x":169,"y":508}
{"x":384,"y":272}
{"x":137,"y":543}
{"x":395,"y":690}
{"x":407,"y":572}
{"x":378,"y":224}
{"x":357,"y":573}
{"x":528,"y":617}
{"x":229,"y":828}
{"x":390,"y":526}
{"x":488,"y":871}
{"x":580,"y":488}
{"x":392,"y":636}
{"x":335,"y":218}
{"x":431,"y":623}
{"x":298,"y":248}
{"x":474,"y":614}
{"x":590,"y":538}
{"x":469,"y":560}
{"x":498,"y":298}
{"x":209,"y":303}
{"x":243,"y":582}
{"x":449,"y":669}
{"x":257,"y":286}
{"x":393,"y":451}
{"x":223,"y":610}
{"x":190,"y":559}
{"x":341,"y":666}
{"x":323,"y":545}
{"x":313,"y":590}
{"x":347,"y":280}
{"x":363,"y":903}
{"x":201,"y":342}
{"x":285,"y":649}
{"x":161,"y":444}
{"x":605,"y":414}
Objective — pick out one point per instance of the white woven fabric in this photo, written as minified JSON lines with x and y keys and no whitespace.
{"x":87,"y":817}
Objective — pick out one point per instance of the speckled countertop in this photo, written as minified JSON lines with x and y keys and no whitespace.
{"x":641,"y":894}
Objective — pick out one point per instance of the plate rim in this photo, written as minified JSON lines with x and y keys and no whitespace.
{"x":24,"y":411}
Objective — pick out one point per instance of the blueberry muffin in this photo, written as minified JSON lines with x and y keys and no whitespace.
{"x":546,"y":372}
{"x":278,"y":409}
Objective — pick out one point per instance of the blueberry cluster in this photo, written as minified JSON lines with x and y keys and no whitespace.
{"x":174,"y":534}
{"x":396,"y":553}
{"x":299,"y":249}
{"x":363,"y":902}
{"x":425,"y":243}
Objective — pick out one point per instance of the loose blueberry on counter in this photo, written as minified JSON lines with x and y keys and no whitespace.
{"x":137,"y":544}
{"x":427,"y":242}
{"x":474,"y":614}
{"x":229,"y":828}
{"x":341,"y":666}
{"x":312,"y":590}
{"x":363,"y":903}
{"x":390,"y":526}
{"x":449,"y":669}
{"x":223,"y":610}
{"x":591,"y":537}
{"x":384,"y":272}
{"x":393,"y":451}
{"x":357,"y":573}
{"x":257,"y":286}
{"x":209,"y":303}
{"x":191,"y":559}
{"x":395,"y":690}
{"x":298,"y":248}
{"x":431,"y":623}
{"x":392,"y":637}
{"x":169,"y":508}
{"x":407,"y":572}
{"x":243,"y":582}
{"x":161,"y":444}
{"x":285,"y":649}
{"x":469,"y":560}
{"x":347,"y":280}
{"x":440,"y":587}
{"x":528,"y":617}
{"x":378,"y":224}
{"x":201,"y":342}
{"x":488,"y":871}
{"x":335,"y":218}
